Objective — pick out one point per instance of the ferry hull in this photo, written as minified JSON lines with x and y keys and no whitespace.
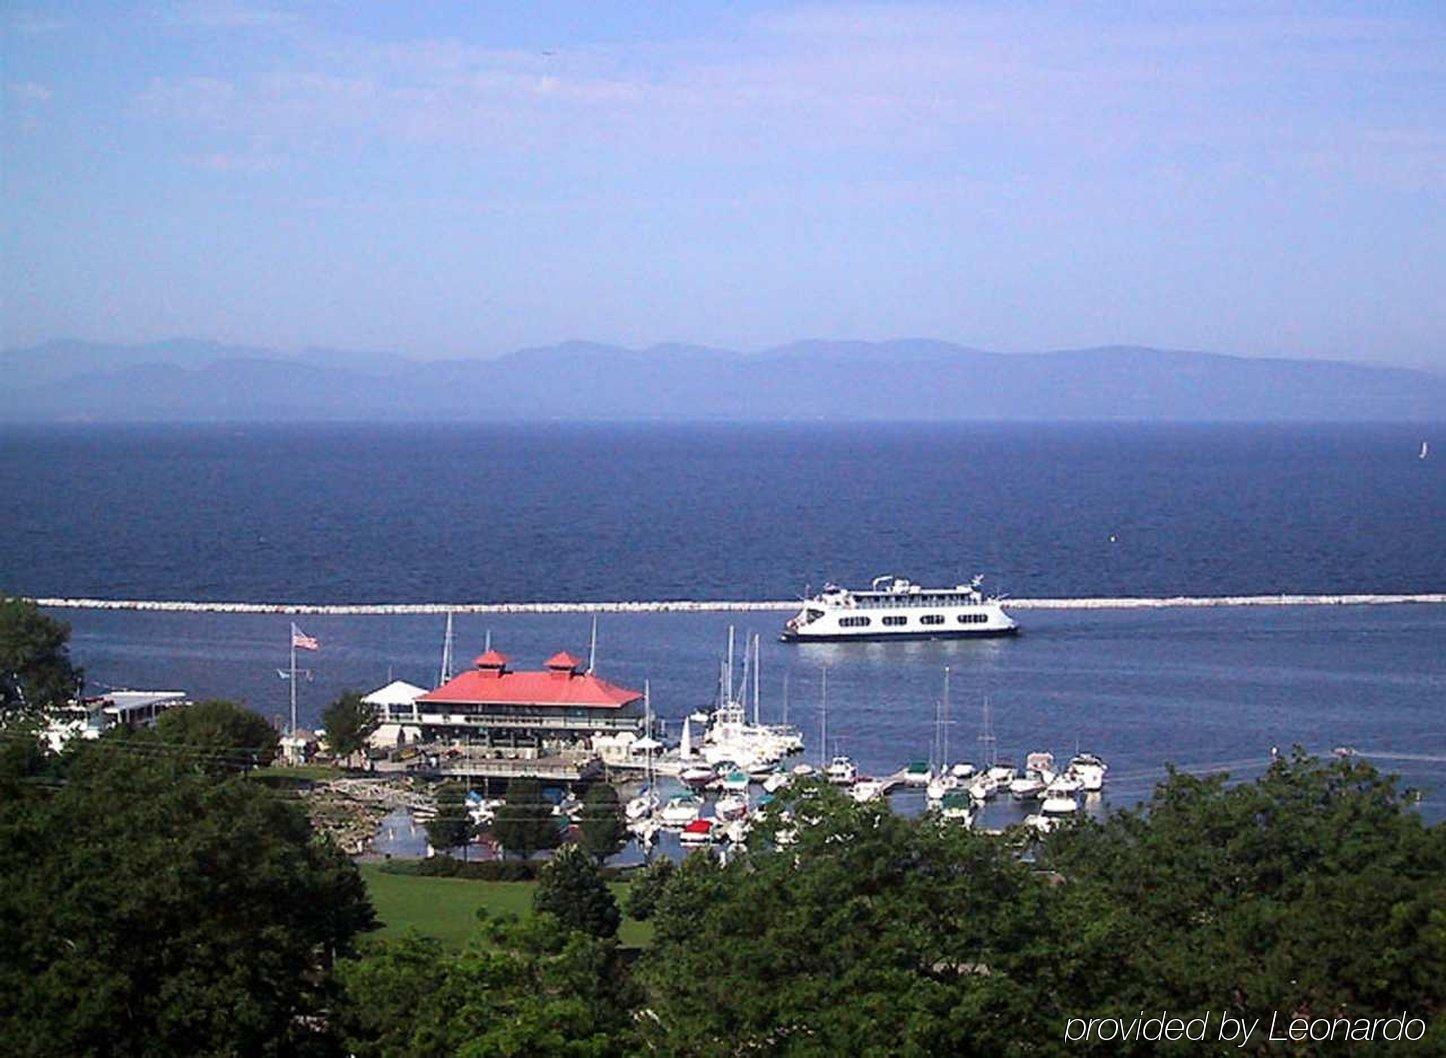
{"x":880,"y":637}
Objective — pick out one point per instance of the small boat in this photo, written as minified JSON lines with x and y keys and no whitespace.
{"x":1027,"y":785}
{"x":842,"y":771}
{"x":957,"y":807}
{"x":1059,"y":807}
{"x":698,"y":832}
{"x":917,"y":773}
{"x":731,"y":806}
{"x":680,"y":810}
{"x":775,"y":782}
{"x":867,"y":789}
{"x":962,"y":770}
{"x":697,"y":775}
{"x":803,"y":770}
{"x":1065,"y":785}
{"x":737,"y":830}
{"x":1425,"y":450}
{"x":735,"y":781}
{"x":983,"y":787}
{"x":940,"y":786}
{"x":761,"y":771}
{"x":1002,"y":774}
{"x":1089,"y":770}
{"x":640,"y":807}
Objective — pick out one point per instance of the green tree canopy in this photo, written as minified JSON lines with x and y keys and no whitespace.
{"x":151,"y":908}
{"x":602,"y":830}
{"x":348,"y":722}
{"x":527,"y":989}
{"x":647,"y":887}
{"x":524,"y":823}
{"x":570,"y":888}
{"x":35,"y":667}
{"x":452,"y":826}
{"x":224,"y":734}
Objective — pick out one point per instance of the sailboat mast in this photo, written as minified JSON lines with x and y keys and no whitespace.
{"x":757,"y":664}
{"x":445,"y":673}
{"x":728,"y":680}
{"x":823,"y":722}
{"x":944,"y":735}
{"x":592,"y":646}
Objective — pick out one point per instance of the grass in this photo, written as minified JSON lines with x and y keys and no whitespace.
{"x":446,"y":908}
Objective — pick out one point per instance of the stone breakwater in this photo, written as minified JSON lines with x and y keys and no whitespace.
{"x":709,"y":605}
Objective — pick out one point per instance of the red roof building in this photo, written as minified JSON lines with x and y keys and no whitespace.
{"x":495,"y":705}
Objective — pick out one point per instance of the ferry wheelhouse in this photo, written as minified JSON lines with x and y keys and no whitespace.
{"x":896,"y":608}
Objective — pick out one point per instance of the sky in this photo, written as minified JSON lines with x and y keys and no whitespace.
{"x":465,"y":179}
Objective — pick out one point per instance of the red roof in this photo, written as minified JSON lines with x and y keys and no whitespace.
{"x":562,"y":660}
{"x":493,"y":659}
{"x":491,"y":684}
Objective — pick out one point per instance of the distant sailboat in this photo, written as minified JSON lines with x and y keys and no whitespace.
{"x":1425,"y":450}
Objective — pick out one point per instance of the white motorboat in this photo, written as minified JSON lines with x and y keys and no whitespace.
{"x":1089,"y":770}
{"x":775,"y":782}
{"x":1002,"y":774}
{"x":962,"y":770}
{"x":697,"y":775}
{"x":803,"y":771}
{"x":896,"y":608}
{"x":731,"y":806}
{"x":1059,"y":807}
{"x":940,"y":786}
{"x":982,"y":787}
{"x":868,"y":789}
{"x":1027,"y":785}
{"x":736,"y":781}
{"x":640,"y":807}
{"x":1063,"y":785}
{"x":680,"y":810}
{"x":842,"y":771}
{"x":918,"y":773}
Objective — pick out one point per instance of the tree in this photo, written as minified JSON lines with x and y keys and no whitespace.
{"x":602,"y":830}
{"x":648,"y":886}
{"x":223,"y":734}
{"x":452,"y":826}
{"x":348,"y":722}
{"x":533,"y":988}
{"x":524,"y":823}
{"x":571,"y":888}
{"x":152,"y":908}
{"x":35,"y":668}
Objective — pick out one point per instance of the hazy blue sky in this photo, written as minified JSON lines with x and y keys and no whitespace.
{"x":448,"y":179}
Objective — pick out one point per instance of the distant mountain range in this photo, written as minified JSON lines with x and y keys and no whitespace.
{"x":901,"y":380}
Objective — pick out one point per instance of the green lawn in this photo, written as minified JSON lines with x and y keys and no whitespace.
{"x":446,"y":908}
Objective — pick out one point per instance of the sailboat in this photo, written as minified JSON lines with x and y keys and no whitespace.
{"x":1425,"y":450}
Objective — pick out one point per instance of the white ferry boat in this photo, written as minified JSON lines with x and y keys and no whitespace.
{"x":895,"y":608}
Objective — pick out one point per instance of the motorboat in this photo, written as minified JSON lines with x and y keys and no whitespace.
{"x":803,"y":770}
{"x":1089,"y":770}
{"x":1065,"y":784}
{"x":868,"y":789}
{"x":842,"y":771}
{"x":697,"y":775}
{"x":698,"y":832}
{"x":680,"y":810}
{"x":1002,"y":774}
{"x":640,"y":807}
{"x":918,"y":773}
{"x":962,"y":770}
{"x":775,"y":782}
{"x":736,"y":781}
{"x":1027,"y":785}
{"x":957,"y":807}
{"x":731,"y":806}
{"x":982,"y":787}
{"x":940,"y":786}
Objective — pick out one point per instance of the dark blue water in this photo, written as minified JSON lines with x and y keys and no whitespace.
{"x":469,"y":513}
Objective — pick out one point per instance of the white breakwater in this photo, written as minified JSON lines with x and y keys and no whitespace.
{"x":710,"y":606}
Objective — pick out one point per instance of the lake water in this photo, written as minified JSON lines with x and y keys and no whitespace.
{"x":555,"y":513}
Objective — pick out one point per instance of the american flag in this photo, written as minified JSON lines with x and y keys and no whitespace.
{"x":301,"y":641}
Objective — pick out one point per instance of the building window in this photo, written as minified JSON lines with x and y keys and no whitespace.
{"x":893,"y":620}
{"x":854,"y":622}
{"x":932,"y":619}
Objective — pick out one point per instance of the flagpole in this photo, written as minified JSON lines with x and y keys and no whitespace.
{"x":293,"y":679}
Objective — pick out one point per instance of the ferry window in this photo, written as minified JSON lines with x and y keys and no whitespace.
{"x":932,"y":619}
{"x":854,"y":622}
{"x":895,"y":619}
{"x":972,"y":618}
